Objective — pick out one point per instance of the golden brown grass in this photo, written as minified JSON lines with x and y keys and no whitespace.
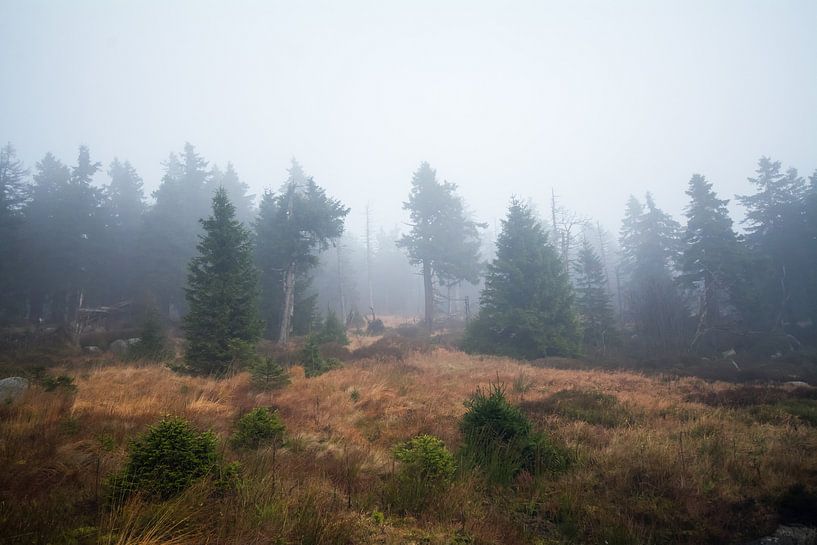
{"x":674,"y":471}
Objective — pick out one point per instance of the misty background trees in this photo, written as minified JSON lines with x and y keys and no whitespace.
{"x":558,"y":284}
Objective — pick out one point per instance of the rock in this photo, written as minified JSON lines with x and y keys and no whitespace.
{"x":133,"y":341}
{"x":789,"y":535}
{"x":119,"y":347}
{"x":92,"y":350}
{"x":12,"y":387}
{"x":797,"y":384}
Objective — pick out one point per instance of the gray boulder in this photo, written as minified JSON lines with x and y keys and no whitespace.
{"x":92,"y":350}
{"x":789,"y":535}
{"x":12,"y":388}
{"x":134,"y":341}
{"x":119,"y":347}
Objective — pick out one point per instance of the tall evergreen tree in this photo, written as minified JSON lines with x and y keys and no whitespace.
{"x":650,"y":250}
{"x":292,"y":227}
{"x":710,"y":251}
{"x":168,"y":239}
{"x":443,"y":241}
{"x":123,"y":212}
{"x":63,"y":238}
{"x":13,"y":193}
{"x":526,"y":307}
{"x":593,"y":299}
{"x":773,"y":220}
{"x":222,"y":293}
{"x":237,"y":192}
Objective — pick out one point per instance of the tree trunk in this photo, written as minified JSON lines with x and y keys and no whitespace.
{"x":289,"y":304}
{"x":428,"y":286}
{"x":710,"y":300}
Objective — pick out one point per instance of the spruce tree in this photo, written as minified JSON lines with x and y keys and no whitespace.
{"x":593,"y":300}
{"x":711,"y":252}
{"x":650,"y":251}
{"x":443,"y":241}
{"x":774,"y":226}
{"x":291,"y":228}
{"x":13,"y":194}
{"x":222,"y":324}
{"x":526,"y":307}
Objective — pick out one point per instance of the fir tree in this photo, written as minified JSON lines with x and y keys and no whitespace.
{"x":593,"y":299}
{"x":222,"y":293}
{"x":526,"y":307}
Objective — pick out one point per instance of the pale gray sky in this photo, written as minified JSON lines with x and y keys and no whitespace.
{"x":596,"y":99}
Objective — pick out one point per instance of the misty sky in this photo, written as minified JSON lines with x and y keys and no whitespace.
{"x":595,"y":99}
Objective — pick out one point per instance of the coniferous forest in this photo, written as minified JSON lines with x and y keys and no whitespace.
{"x":439,"y":273}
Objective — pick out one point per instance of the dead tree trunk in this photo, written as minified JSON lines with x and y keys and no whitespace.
{"x":428,"y":286}
{"x":289,"y":304}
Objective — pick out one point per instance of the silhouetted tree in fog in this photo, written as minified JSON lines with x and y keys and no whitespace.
{"x":13,"y":193}
{"x":593,"y":299}
{"x":292,"y":227}
{"x":171,"y":227}
{"x":650,"y":250}
{"x":443,"y":241}
{"x":711,"y":254}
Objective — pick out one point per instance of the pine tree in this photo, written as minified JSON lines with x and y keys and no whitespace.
{"x":292,"y":227}
{"x":593,"y":299}
{"x":711,"y":252}
{"x":443,"y":241}
{"x":222,"y":293}
{"x":526,"y":307}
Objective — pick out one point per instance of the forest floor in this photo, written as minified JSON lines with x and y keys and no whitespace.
{"x":657,"y":459}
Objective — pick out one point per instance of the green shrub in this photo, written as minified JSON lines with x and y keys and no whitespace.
{"x":268,"y":375}
{"x":61,"y":382}
{"x":499,"y":439}
{"x":332,"y":330}
{"x":426,"y":469}
{"x":315,"y":364}
{"x":166,"y":459}
{"x":258,"y":428}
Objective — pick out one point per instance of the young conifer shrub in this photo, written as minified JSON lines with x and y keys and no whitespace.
{"x":166,"y":459}
{"x":499,"y":439}
{"x":258,"y":428}
{"x":426,"y":469}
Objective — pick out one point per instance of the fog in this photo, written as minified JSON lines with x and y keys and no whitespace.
{"x":596,"y":100}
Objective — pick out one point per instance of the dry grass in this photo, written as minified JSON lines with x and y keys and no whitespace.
{"x":674,"y":470}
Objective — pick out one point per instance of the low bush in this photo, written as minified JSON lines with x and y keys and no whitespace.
{"x":375,"y":327}
{"x":498,"y":437}
{"x":312,"y":360}
{"x":257,"y":428}
{"x":426,"y":469}
{"x":166,"y":459}
{"x":267,"y":375}
{"x":332,"y":330}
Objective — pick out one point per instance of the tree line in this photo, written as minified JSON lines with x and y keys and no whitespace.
{"x":557,"y":287}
